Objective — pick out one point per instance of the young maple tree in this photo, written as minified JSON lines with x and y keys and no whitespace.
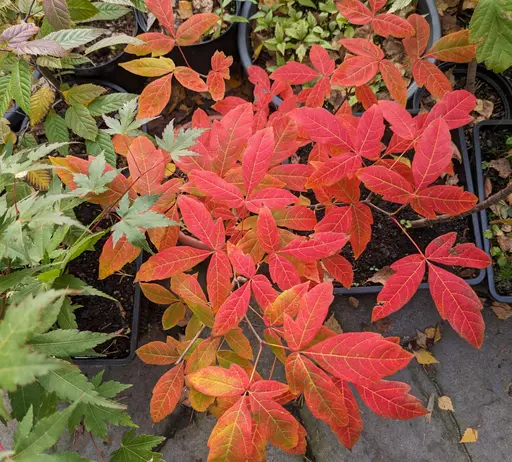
{"x":156,"y":95}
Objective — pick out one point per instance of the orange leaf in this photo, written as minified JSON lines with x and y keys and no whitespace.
{"x":191,"y":30}
{"x":173,"y":315}
{"x":165,"y":237}
{"x":156,"y":43}
{"x":288,"y":302}
{"x":163,"y":11}
{"x":231,"y":438}
{"x":155,"y":97}
{"x":366,"y":96}
{"x":147,"y":166}
{"x":216,"y":85}
{"x":355,"y":71}
{"x":199,"y":401}
{"x":157,"y":293}
{"x":159,"y":353}
{"x":219,"y":382}
{"x":416,"y":45}
{"x":232,"y":310}
{"x":394,"y":81}
{"x":203,"y":356}
{"x":189,"y":79}
{"x":429,"y":75}
{"x":189,"y":289}
{"x":349,"y":435}
{"x":454,"y":47}
{"x":267,"y":231}
{"x":113,"y":259}
{"x":218,"y":279}
{"x":360,"y":228}
{"x":122,"y":143}
{"x":166,"y":393}
{"x":170,"y":262}
{"x":239,"y":343}
{"x":282,"y":272}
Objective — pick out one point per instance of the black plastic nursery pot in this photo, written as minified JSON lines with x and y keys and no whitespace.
{"x":199,"y":55}
{"x":463,"y":170}
{"x":424,"y":7}
{"x":494,"y":82}
{"x":112,"y":71}
{"x":479,"y":157}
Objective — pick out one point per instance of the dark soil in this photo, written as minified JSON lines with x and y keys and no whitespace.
{"x":493,"y":146}
{"x":126,"y":24}
{"x":101,"y":314}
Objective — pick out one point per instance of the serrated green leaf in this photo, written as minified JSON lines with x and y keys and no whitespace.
{"x":109,"y":12}
{"x":23,"y":428}
{"x":109,"y":103}
{"x":57,"y":131}
{"x":35,"y":396}
{"x":83,"y":94}
{"x":71,"y":38}
{"x":102,"y":143}
{"x":68,"y":342}
{"x":137,"y":448}
{"x":491,"y":29}
{"x":81,"y":10}
{"x":21,"y":84}
{"x":5,"y":94}
{"x":68,"y":281}
{"x":9,"y":281}
{"x":4,"y":413}
{"x":65,"y":456}
{"x":79,"y":120}
{"x":49,"y":316}
{"x":399,"y":5}
{"x":50,"y":62}
{"x":177,"y":144}
{"x":70,"y":384}
{"x":67,"y":318}
{"x":57,"y":14}
{"x":119,"y":39}
{"x":45,"y":434}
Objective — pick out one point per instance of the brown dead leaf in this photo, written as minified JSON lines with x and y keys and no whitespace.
{"x":433,"y":333}
{"x":424,"y":357}
{"x":185,"y":9}
{"x":509,"y":199}
{"x":456,"y":153}
{"x":502,"y":165}
{"x":470,"y":435}
{"x":421,"y":339}
{"x":484,"y":107}
{"x":452,"y":180}
{"x":487,"y":187}
{"x":381,"y":276}
{"x":505,"y":243}
{"x":383,"y":325}
{"x":445,"y":403}
{"x":502,"y":311}
{"x":334,"y":325}
{"x":353,"y":302}
{"x":469,"y":4}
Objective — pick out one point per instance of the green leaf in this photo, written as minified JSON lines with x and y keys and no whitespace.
{"x":119,"y":39}
{"x":399,"y":5}
{"x":21,"y":84}
{"x":57,"y":14}
{"x":71,"y":38}
{"x":102,"y":144}
{"x":137,"y":448}
{"x":109,"y":12}
{"x":97,"y":178}
{"x":84,"y":245}
{"x":49,"y":316}
{"x":67,"y":318}
{"x":491,"y":29}
{"x":9,"y":281}
{"x":68,"y":342}
{"x":177,"y":145}
{"x":44,"y":435}
{"x":57,"y":131}
{"x":23,"y":428}
{"x":5,"y":94}
{"x":83,"y":94}
{"x":35,"y":396}
{"x":81,"y":10}
{"x":65,"y":456}
{"x":109,"y":103}
{"x":4,"y":413}
{"x":79,"y":120}
{"x":70,"y":384}
{"x":68,"y":281}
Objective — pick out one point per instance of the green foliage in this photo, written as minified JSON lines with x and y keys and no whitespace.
{"x":491,"y":29}
{"x":178,"y":144}
{"x":290,"y":28}
{"x":126,"y":123}
{"x":96,"y":180}
{"x":137,"y":448}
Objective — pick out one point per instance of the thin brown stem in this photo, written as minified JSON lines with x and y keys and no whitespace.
{"x":256,"y":361}
{"x":253,"y":329}
{"x":96,"y":448}
{"x":407,"y":234}
{"x":272,"y":368}
{"x":189,"y":346}
{"x":378,"y":208}
{"x":491,"y":200}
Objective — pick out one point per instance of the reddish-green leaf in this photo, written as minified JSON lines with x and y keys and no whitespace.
{"x":166,"y":393}
{"x":457,"y":302}
{"x":203,"y":356}
{"x":454,"y":47}
{"x":239,"y":343}
{"x":171,"y":261}
{"x":173,"y":315}
{"x":400,"y":287}
{"x":391,"y":400}
{"x":429,"y":75}
{"x":156,"y":43}
{"x":288,"y":302}
{"x":157,"y":293}
{"x":189,"y":289}
{"x":189,"y":79}
{"x":160,"y":353}
{"x":219,"y":382}
{"x":194,"y":27}
{"x":232,"y":310}
{"x":376,"y":357}
{"x":154,"y":97}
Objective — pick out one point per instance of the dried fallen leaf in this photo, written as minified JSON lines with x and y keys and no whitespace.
{"x":502,"y":311}
{"x":484,"y":107}
{"x":433,"y":333}
{"x":469,"y":436}
{"x":334,"y":325}
{"x":502,"y":165}
{"x":421,"y":339}
{"x":430,"y":407}
{"x":445,"y":403}
{"x":452,"y":180}
{"x":381,"y":276}
{"x":505,"y":243}
{"x":487,"y":188}
{"x":424,"y":357}
{"x":383,"y":325}
{"x":185,"y":9}
{"x":456,"y":153}
{"x":353,"y":302}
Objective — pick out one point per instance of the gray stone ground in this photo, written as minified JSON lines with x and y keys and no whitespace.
{"x":478,"y":382}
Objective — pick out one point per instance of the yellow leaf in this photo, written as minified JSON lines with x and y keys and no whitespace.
{"x":403,"y":159}
{"x":39,"y":179}
{"x":40,"y":103}
{"x":303,"y":200}
{"x":433,"y":333}
{"x":248,"y":223}
{"x":424,"y":357}
{"x":170,"y":168}
{"x":469,"y":436}
{"x":445,"y":403}
{"x":149,"y":67}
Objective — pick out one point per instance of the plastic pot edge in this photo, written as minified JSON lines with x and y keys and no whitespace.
{"x":483,"y":214}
